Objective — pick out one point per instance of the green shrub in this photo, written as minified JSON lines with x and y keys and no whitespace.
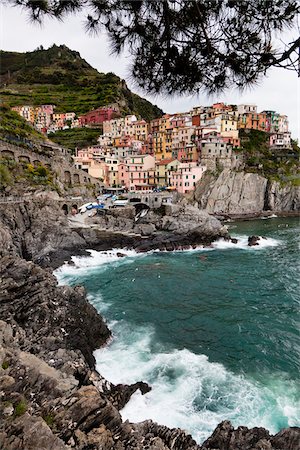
{"x":49,"y":419}
{"x":5,"y":176}
{"x":20,"y":409}
{"x":5,"y":365}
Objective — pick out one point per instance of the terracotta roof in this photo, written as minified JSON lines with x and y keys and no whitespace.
{"x":164,"y":162}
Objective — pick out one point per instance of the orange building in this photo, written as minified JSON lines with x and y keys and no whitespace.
{"x":253,"y":121}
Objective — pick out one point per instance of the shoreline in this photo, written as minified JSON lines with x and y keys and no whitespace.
{"x":100,"y":239}
{"x":259,"y":215}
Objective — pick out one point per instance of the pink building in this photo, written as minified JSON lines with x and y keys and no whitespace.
{"x":88,"y":159}
{"x":48,"y":109}
{"x":136,"y":173}
{"x":280,"y":140}
{"x":185,"y":178}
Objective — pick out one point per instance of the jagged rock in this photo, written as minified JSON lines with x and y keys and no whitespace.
{"x":172,"y":438}
{"x":225,"y":437}
{"x":183,"y":219}
{"x":38,"y":228}
{"x":52,"y":316}
{"x":287,"y":439}
{"x":30,"y":433}
{"x":253,"y":240}
{"x":88,"y":411}
{"x":120,"y":394}
{"x":280,"y":197}
{"x":99,"y":438}
{"x":145,"y":229}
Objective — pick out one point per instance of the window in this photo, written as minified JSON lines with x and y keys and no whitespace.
{"x":194,"y":177}
{"x":186,"y":177}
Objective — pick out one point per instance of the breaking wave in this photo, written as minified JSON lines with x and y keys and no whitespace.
{"x":189,"y":391}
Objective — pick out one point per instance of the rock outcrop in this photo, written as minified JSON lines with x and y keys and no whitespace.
{"x":39,"y":231}
{"x":282,"y":198}
{"x":241,"y":193}
{"x":225,"y":437}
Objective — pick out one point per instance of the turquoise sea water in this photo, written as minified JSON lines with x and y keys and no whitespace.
{"x":214,"y":331}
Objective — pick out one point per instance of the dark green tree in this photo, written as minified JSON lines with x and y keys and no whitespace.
{"x":184,"y":46}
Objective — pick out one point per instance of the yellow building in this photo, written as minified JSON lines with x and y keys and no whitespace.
{"x":163,"y":168}
{"x":228,"y":122}
{"x":140,"y":130}
{"x":113,"y":170}
{"x":158,"y":144}
{"x":164,"y":123}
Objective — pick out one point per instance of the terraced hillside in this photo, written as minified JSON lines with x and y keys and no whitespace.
{"x":61,"y":77}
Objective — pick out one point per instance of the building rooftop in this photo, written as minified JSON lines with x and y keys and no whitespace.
{"x":164,"y":162}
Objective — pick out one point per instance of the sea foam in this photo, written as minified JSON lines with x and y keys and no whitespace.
{"x":188,"y":390}
{"x":97,"y":259}
{"x":242,"y":243}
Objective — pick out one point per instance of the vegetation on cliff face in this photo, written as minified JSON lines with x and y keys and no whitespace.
{"x":274,"y":164}
{"x":24,"y":175}
{"x":13,"y":125}
{"x":76,"y":137}
{"x":61,"y":77}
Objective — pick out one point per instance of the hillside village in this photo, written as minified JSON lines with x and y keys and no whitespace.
{"x":171,"y":152}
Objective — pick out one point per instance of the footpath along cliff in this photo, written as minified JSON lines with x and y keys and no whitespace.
{"x":51,"y":395}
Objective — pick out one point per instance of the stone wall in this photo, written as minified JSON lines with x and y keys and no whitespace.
{"x":216,"y":154}
{"x":55,"y":160}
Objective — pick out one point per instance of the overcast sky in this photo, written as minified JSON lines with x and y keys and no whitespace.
{"x":280,"y":91}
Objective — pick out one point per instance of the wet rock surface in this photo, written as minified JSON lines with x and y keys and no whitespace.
{"x":253,"y":240}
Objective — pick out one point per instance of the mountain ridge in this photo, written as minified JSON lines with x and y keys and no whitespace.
{"x":60,"y":76}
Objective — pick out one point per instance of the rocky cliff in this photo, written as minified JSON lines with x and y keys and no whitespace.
{"x":51,"y":395}
{"x":241,"y":193}
{"x":39,"y":231}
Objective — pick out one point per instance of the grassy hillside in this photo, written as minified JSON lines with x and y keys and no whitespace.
{"x":61,"y":77}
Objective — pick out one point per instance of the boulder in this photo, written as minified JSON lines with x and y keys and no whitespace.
{"x":253,"y":240}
